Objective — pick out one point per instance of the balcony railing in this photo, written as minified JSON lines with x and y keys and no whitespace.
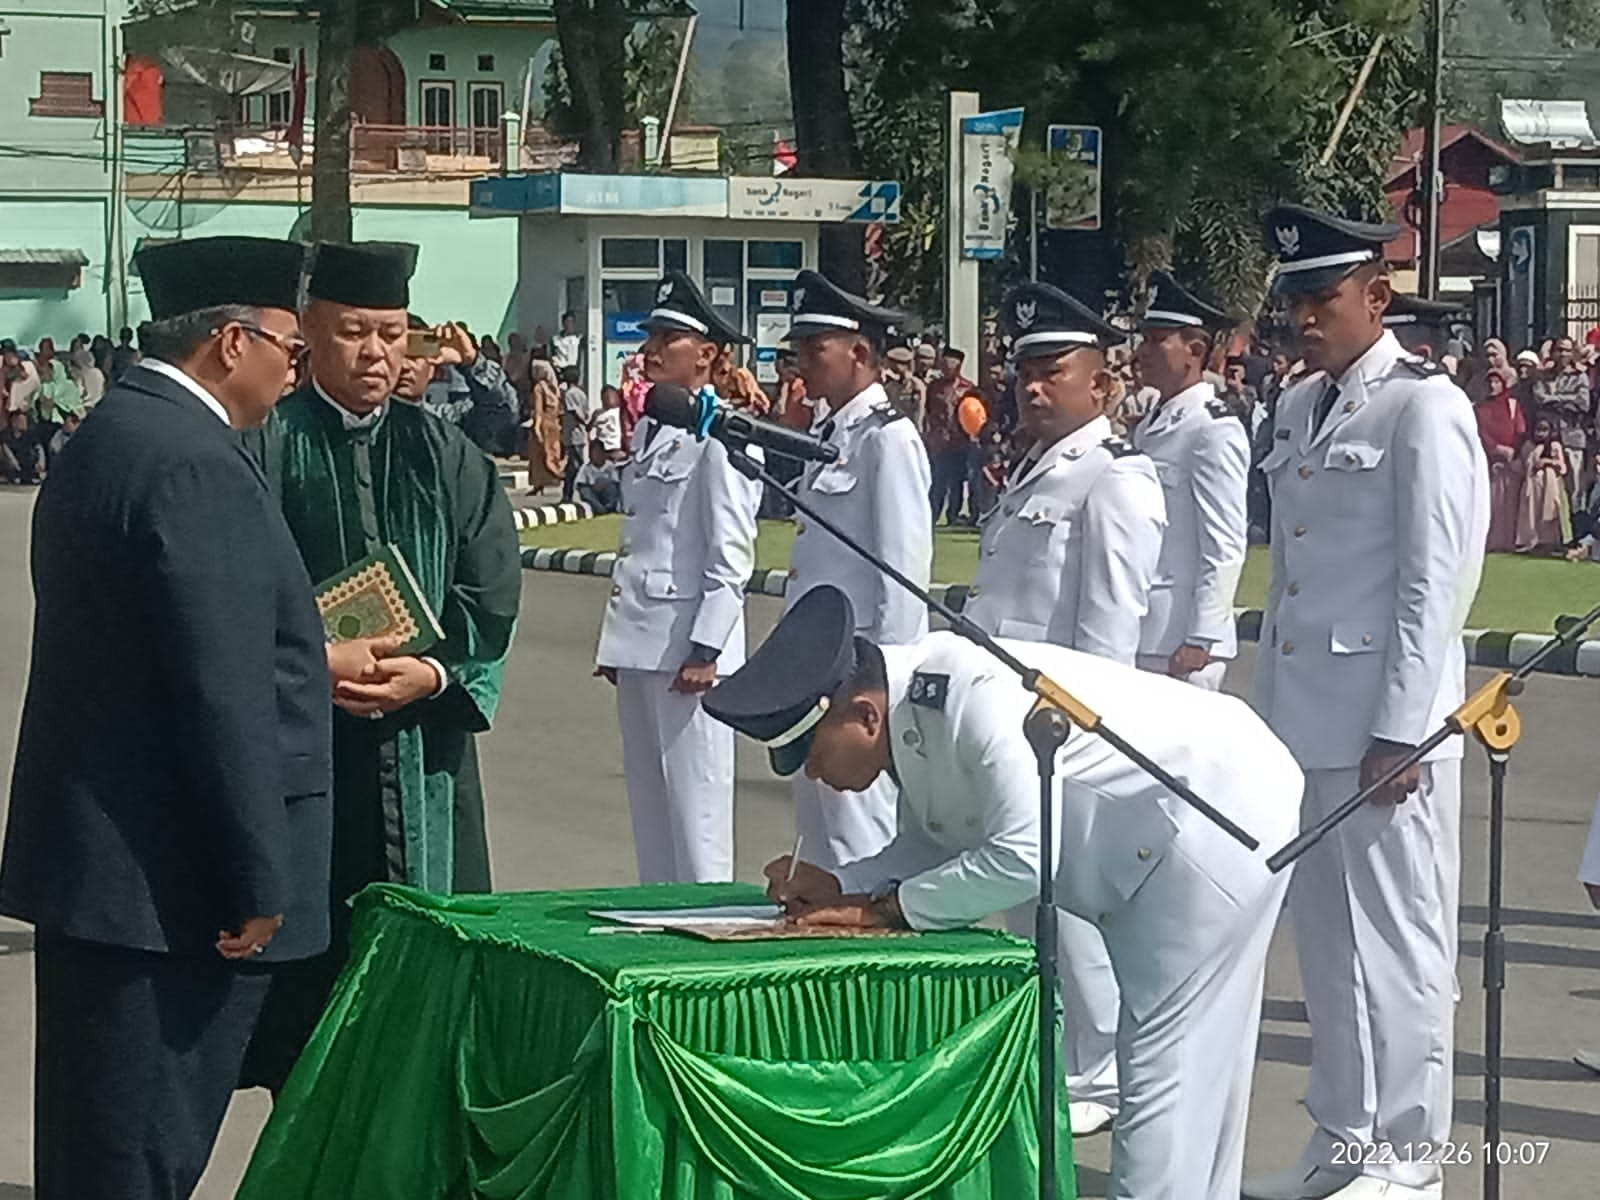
{"x":415,"y":150}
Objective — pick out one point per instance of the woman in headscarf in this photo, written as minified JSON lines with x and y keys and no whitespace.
{"x":546,"y":456}
{"x":1543,"y":517}
{"x":1502,"y":427}
{"x":1495,"y":357}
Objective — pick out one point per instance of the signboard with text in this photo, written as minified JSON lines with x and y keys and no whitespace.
{"x":756,"y":198}
{"x":987,"y":142}
{"x":1074,"y":202}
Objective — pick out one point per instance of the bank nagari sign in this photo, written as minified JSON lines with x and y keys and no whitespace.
{"x":755,"y":198}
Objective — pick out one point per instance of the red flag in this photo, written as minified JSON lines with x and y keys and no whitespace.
{"x":784,"y":159}
{"x":297,"y":110}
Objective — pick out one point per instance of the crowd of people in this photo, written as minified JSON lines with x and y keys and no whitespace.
{"x":170,"y":565}
{"x":1537,"y":415}
{"x":45,"y":396}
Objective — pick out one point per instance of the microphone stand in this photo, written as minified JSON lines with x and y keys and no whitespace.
{"x":1489,"y":716}
{"x":1047,"y":728}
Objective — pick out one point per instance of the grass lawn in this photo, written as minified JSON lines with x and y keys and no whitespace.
{"x":1517,"y":593}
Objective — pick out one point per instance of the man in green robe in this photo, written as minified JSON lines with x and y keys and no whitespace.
{"x":357,"y":471}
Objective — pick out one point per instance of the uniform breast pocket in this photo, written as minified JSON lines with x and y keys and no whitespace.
{"x":1277,"y":458}
{"x":668,"y":469}
{"x":1353,"y":468}
{"x":832,"y":481}
{"x":1043,"y":526}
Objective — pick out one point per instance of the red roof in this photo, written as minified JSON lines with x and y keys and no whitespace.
{"x":1410,"y":151}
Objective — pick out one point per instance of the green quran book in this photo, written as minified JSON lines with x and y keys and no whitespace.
{"x":378,"y":597}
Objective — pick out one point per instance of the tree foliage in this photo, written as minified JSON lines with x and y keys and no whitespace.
{"x":651,"y":63}
{"x":1574,"y":21}
{"x":1212,"y":111}
{"x":614,"y":63}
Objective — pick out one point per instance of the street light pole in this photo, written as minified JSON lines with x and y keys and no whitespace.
{"x":1431,"y":180}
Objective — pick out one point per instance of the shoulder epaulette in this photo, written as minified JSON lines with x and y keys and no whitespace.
{"x":886,"y":413}
{"x":1218,"y":409}
{"x":1422,"y":368}
{"x":1119,"y":448}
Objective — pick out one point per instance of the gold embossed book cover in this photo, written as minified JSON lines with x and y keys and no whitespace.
{"x":378,"y":597}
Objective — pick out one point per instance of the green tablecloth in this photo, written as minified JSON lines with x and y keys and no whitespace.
{"x":492,"y":1046}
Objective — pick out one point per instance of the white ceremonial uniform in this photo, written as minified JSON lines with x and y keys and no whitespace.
{"x":877,"y":492}
{"x":1068,"y":553}
{"x":1067,"y":556}
{"x":687,"y":551}
{"x":1186,"y":911}
{"x":1379,"y":518}
{"x":1202,"y":455}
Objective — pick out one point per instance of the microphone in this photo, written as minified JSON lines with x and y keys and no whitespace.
{"x":680,"y":408}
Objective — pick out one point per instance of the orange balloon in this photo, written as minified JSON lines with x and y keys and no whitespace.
{"x":972,"y":415}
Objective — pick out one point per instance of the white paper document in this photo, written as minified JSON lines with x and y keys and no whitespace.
{"x":731,"y":915}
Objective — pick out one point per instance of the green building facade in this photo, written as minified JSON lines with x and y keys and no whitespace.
{"x":81,"y":189}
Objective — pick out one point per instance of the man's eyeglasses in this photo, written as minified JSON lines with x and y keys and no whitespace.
{"x":295,"y":347}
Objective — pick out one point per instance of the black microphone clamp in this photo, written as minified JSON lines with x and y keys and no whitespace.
{"x":703,"y":415}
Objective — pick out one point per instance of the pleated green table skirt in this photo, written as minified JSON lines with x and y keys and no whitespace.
{"x":494,"y":1047}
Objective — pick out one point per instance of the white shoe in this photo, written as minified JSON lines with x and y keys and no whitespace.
{"x":1589,"y":1060}
{"x":1365,"y":1187}
{"x":1300,"y":1182}
{"x":1088,"y":1117}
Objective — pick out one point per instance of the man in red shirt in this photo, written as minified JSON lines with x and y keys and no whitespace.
{"x":949,"y":447}
{"x":798,"y":411}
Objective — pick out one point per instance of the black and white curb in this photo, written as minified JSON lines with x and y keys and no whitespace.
{"x":550,"y":514}
{"x":1490,"y":648}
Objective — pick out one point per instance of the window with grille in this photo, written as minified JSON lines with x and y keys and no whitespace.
{"x":439,"y":114}
{"x":66,"y":94}
{"x":484,"y":101}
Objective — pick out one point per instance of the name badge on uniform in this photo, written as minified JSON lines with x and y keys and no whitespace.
{"x":1281,"y":434}
{"x":929,"y":691}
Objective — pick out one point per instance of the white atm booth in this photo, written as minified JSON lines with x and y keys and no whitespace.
{"x":596,"y":245}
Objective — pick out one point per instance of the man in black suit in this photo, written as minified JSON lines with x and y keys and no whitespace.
{"x":170,"y":859}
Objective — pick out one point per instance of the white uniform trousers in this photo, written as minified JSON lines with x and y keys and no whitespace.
{"x":1208,"y":677}
{"x":1090,"y":1004}
{"x":1589,"y":870}
{"x":679,"y":767}
{"x":841,"y":827}
{"x":1376,"y":909}
{"x":1186,"y":1071}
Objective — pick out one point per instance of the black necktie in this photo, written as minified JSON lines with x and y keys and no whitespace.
{"x":1325,"y":406}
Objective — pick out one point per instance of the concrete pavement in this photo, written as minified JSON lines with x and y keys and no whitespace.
{"x":558,"y":818}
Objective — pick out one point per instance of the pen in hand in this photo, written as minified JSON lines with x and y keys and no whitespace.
{"x":794,"y":863}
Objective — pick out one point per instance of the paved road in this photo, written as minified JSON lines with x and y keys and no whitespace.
{"x":558,"y":818}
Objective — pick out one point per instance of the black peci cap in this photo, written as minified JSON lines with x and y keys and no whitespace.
{"x":186,"y":276}
{"x":1316,"y":250}
{"x":680,"y":305}
{"x":785,"y":688}
{"x":1043,"y":321}
{"x":363,"y":274}
{"x":820,"y":306}
{"x":1169,"y":305}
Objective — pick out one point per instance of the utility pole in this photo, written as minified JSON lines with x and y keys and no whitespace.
{"x":1431,"y":182}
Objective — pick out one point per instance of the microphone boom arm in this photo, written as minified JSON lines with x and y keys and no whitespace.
{"x":1051,"y":695}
